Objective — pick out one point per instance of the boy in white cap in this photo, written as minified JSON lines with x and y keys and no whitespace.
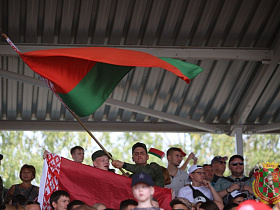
{"x":236,"y":197}
{"x":199,"y":187}
{"x":143,"y":190}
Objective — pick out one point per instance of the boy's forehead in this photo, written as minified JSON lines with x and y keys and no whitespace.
{"x":141,"y":184}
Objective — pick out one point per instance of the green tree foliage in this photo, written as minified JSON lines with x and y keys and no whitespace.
{"x":20,"y":147}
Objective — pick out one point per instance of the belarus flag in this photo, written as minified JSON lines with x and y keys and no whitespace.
{"x":83,"y":78}
{"x":89,"y":184}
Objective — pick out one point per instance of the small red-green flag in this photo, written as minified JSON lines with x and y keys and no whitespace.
{"x":156,"y":152}
{"x":83,"y":78}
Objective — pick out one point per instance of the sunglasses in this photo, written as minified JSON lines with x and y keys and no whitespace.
{"x":200,"y":173}
{"x":222,"y":162}
{"x":237,"y":163}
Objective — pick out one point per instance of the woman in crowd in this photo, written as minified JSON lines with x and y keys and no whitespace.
{"x":27,"y":174}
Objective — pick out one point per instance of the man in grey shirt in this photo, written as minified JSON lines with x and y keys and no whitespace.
{"x":178,"y":177}
{"x":236,"y":181}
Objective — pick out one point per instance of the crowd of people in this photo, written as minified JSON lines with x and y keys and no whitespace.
{"x":200,"y":187}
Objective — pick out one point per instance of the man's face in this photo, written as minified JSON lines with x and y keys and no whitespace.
{"x":179,"y":206}
{"x":175,"y":158}
{"x":139,"y":156}
{"x":236,"y":167}
{"x":142,"y":192}
{"x":61,"y":203}
{"x":78,"y":155}
{"x":238,"y":200}
{"x":219,"y":166}
{"x":209,"y":175}
{"x":198,"y":175}
{"x":102,"y":162}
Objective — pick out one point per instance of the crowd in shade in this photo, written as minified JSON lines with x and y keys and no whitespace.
{"x":200,"y":187}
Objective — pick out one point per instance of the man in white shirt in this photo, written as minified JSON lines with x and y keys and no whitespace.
{"x":199,"y":186}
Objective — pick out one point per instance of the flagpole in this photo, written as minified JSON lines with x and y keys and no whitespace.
{"x":74,"y":115}
{"x":95,"y":139}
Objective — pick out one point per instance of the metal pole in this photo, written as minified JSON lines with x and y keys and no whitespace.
{"x":238,"y":141}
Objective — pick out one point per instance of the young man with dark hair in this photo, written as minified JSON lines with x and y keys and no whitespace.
{"x":128,"y":204}
{"x":59,"y":200}
{"x":140,"y":157}
{"x":77,"y":154}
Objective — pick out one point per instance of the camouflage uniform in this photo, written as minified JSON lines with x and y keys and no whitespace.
{"x":153,"y":169}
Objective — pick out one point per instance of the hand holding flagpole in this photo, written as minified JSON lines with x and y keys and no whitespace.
{"x":74,"y":115}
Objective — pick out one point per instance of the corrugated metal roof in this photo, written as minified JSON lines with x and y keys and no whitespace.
{"x":236,"y":42}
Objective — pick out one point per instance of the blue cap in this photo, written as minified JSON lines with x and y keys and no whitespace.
{"x":142,"y":177}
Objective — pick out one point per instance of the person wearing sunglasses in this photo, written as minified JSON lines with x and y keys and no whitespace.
{"x":219,"y":166}
{"x":236,"y":181}
{"x":199,"y":187}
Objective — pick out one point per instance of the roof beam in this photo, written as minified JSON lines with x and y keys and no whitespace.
{"x":256,"y":89}
{"x":162,"y":115}
{"x":198,"y":53}
{"x":93,"y":126}
{"x":131,"y":107}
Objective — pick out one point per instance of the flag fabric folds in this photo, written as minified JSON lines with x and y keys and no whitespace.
{"x":89,"y":184}
{"x":83,"y":78}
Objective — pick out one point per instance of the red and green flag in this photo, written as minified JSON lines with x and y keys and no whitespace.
{"x":156,"y":152}
{"x":83,"y":78}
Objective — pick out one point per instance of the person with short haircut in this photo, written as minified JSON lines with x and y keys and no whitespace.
{"x":208,"y":170}
{"x":27,"y":174}
{"x":143,"y":190}
{"x":219,"y":166}
{"x":77,"y":154}
{"x":199,"y":186}
{"x":99,"y":206}
{"x":32,"y":205}
{"x":236,"y":181}
{"x":59,"y":200}
{"x":128,"y":204}
{"x":208,"y":205}
{"x":236,"y":197}
{"x":140,"y":157}
{"x":181,"y":203}
{"x":74,"y":204}
{"x":178,"y":177}
{"x":101,"y":160}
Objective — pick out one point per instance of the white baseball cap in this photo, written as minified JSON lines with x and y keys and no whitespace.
{"x":192,"y":169}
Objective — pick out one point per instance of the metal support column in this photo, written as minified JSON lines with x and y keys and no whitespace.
{"x":238,"y":141}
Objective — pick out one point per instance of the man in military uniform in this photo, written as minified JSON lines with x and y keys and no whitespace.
{"x":140,"y":157}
